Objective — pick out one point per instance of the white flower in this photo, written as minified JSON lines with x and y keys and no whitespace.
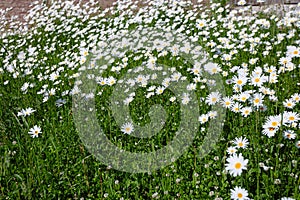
{"x":185,"y":99}
{"x":289,"y":134}
{"x":127,"y":128}
{"x":203,"y":118}
{"x":172,"y":99}
{"x":241,"y":142}
{"x":231,"y":150}
{"x":289,"y":103}
{"x":246,"y":111}
{"x":287,"y":198}
{"x":26,"y":112}
{"x":293,"y":51}
{"x":236,"y":164}
{"x":213,"y":98}
{"x":227,"y":102}
{"x":35,"y":131}
{"x":239,"y":193}
{"x":111,"y":81}
{"x":201,"y":23}
{"x":160,"y":90}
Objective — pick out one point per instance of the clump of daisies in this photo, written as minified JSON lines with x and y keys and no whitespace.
{"x":235,"y":165}
{"x":287,"y":122}
{"x":236,"y":162}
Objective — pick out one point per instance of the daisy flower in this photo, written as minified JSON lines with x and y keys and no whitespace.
{"x":289,"y":103}
{"x":127,"y":128}
{"x":166,"y":82}
{"x":242,"y":3}
{"x":257,"y":100}
{"x":176,"y":76}
{"x":246,"y":111}
{"x":149,"y":95}
{"x":151,"y":88}
{"x":270,"y":131}
{"x":289,"y":134}
{"x":212,"y":68}
{"x":213,"y":98}
{"x":271,"y":69}
{"x":203,"y":118}
{"x":290,"y":117}
{"x":185,"y":99}
{"x":227,"y":102}
{"x":172,"y":99}
{"x":159,"y":90}
{"x":273,"y":121}
{"x":258,"y":80}
{"x":296,"y":97}
{"x":201,"y":23}
{"x":244,"y":96}
{"x":239,"y":193}
{"x":241,"y":142}
{"x":284,"y":60}
{"x":102,"y":81}
{"x":236,"y":107}
{"x":235,"y":165}
{"x":111,"y":81}
{"x":293,"y":51}
{"x":240,"y":80}
{"x":231,"y":150}
{"x":35,"y":131}
{"x":212,"y":114}
{"x":26,"y":112}
{"x":298,"y":144}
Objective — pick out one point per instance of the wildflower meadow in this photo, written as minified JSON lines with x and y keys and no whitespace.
{"x":155,"y":99}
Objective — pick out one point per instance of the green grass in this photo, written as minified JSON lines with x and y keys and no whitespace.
{"x":58,"y":165}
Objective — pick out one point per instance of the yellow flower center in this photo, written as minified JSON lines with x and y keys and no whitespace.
{"x":238,"y":165}
{"x":240,"y":195}
{"x":240,"y":144}
{"x":274,"y":123}
{"x":291,"y":118}
{"x":239,"y":82}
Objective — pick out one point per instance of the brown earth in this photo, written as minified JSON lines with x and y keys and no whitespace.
{"x":20,"y":7}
